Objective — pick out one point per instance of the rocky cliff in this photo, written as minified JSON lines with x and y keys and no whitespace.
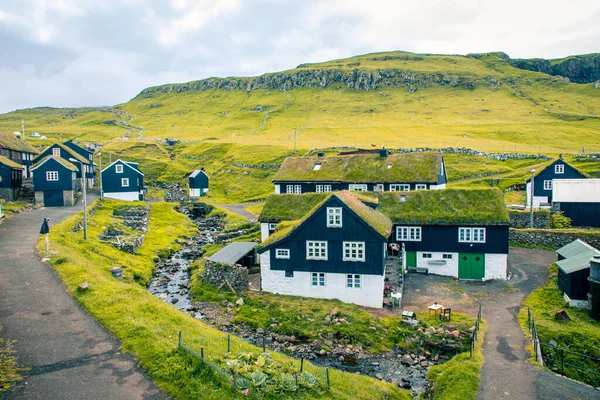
{"x":579,"y":69}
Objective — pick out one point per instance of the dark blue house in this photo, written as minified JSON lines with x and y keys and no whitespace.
{"x":67,"y":154}
{"x":11,"y":178}
{"x":54,"y":181}
{"x":543,"y":181}
{"x":578,"y":199}
{"x":198,"y":182}
{"x":123,"y":180}
{"x":336,"y":251}
{"x":18,"y":151}
{"x":87,"y":154}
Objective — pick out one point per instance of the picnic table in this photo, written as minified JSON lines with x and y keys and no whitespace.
{"x":436,"y":308}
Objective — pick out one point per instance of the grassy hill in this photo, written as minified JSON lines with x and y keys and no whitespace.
{"x":396,"y":99}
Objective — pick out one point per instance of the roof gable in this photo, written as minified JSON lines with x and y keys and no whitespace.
{"x":445,"y":207}
{"x":363,"y":168}
{"x":71,"y":153}
{"x":548,"y":167}
{"x":197,"y":172}
{"x":123,"y":163}
{"x":577,"y":262}
{"x":61,"y":161}
{"x":77,"y":148}
{"x":575,"y":247}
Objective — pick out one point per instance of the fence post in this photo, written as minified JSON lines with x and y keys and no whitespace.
{"x":301,"y":364}
{"x":264,"y":340}
{"x":234,"y":381}
{"x":202,"y":352}
{"x":562,"y":362}
{"x":529,"y":319}
{"x":327,"y":374}
{"x":179,"y":340}
{"x":296,"y":376}
{"x":471,"y":346}
{"x":228,"y":343}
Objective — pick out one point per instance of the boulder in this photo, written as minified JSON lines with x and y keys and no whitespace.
{"x":561,"y":315}
{"x":84,"y":287}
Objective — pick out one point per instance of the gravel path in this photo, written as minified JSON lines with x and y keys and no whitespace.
{"x":240,"y":209}
{"x":69,"y":353}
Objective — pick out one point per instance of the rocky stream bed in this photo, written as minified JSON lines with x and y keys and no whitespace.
{"x":171,"y":283}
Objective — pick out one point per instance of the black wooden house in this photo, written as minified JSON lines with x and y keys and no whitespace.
{"x":198,"y":183}
{"x":544,"y":178}
{"x":574,"y":271}
{"x":69,"y":155}
{"x":87,"y":154}
{"x":578,"y":199}
{"x":54,"y":181}
{"x":18,"y":151}
{"x":123,"y":180}
{"x":372,"y":172}
{"x":11,"y":178}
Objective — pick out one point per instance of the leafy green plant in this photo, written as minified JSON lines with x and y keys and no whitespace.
{"x":559,"y":220}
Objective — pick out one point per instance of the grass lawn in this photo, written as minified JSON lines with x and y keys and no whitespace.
{"x":518,"y":197}
{"x":581,"y":335}
{"x":147,"y":326}
{"x":10,"y":207}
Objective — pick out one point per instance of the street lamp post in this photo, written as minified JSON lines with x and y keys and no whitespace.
{"x":531,"y":200}
{"x":84,"y":189}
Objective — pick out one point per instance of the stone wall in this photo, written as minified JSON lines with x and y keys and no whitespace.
{"x":236,"y":275}
{"x":520,"y":219}
{"x":551,"y":239}
{"x":7,"y":194}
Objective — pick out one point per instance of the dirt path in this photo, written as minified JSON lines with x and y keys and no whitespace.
{"x":240,"y":209}
{"x":69,"y":354}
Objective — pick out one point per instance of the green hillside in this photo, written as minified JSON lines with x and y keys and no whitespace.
{"x":393,"y":99}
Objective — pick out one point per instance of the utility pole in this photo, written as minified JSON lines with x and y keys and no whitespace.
{"x":23,"y":130}
{"x":531,"y":200}
{"x":84,"y":189}
{"x":294,"y":141}
{"x":100,"y":176}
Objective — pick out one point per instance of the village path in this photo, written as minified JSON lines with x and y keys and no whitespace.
{"x":506,"y":372}
{"x":69,"y":353}
{"x":240,"y":209}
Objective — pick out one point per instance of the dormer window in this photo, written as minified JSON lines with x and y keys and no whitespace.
{"x":334,"y":217}
{"x":119,"y":168}
{"x":317,"y":167}
{"x":56,"y":152}
{"x":559,"y":169}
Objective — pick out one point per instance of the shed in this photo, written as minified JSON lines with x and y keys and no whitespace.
{"x":578,"y":199}
{"x":236,"y":253}
{"x":574,"y":271}
{"x":198,"y":182}
{"x":11,"y":178}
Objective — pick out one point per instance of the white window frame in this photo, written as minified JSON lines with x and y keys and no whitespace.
{"x":408,"y":233}
{"x":119,"y":168}
{"x":272,"y":227}
{"x":548,"y":185}
{"x":314,"y":247}
{"x":297,"y":189}
{"x":559,"y":169}
{"x":357,"y":247}
{"x":326,"y":188}
{"x":51,"y":176}
{"x":358,"y":187}
{"x":283,"y":254}
{"x":317,"y":279}
{"x":353,"y":281}
{"x":334,"y":217}
{"x":471,"y":235}
{"x":319,"y":188}
{"x":56,"y":151}
{"x":124,"y":182}
{"x":399,"y":187}
{"x":421,"y":186}
{"x":289,"y":189}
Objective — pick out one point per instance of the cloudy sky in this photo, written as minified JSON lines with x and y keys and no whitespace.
{"x":89,"y":53}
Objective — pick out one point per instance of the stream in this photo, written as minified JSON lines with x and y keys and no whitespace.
{"x":171,"y":283}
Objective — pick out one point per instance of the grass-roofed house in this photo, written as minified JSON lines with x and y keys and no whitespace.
{"x":11,"y":178}
{"x":460,"y":233}
{"x":381,"y":172}
{"x":18,"y":151}
{"x":328,"y":246}
{"x":543,"y":180}
{"x":69,"y":155}
{"x":89,"y":155}
{"x":54,"y":181}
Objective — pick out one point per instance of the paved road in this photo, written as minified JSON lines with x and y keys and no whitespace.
{"x":70,"y":355}
{"x":506,"y":372}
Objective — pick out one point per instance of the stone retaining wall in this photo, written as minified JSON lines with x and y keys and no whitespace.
{"x":520,"y":219}
{"x":216,"y":274}
{"x":551,"y":239}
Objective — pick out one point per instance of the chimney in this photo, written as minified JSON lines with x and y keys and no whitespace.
{"x":383,"y":153}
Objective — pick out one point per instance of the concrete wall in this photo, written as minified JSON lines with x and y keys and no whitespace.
{"x":495,"y":266}
{"x":196,"y":192}
{"x":437,"y":187}
{"x":450,"y":268}
{"x":39,"y":197}
{"x":68,"y":197}
{"x":370,"y":294}
{"x":551,"y":239}
{"x":264,"y":231}
{"x":129,"y":196}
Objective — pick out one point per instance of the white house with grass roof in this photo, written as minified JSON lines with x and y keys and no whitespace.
{"x":334,"y":249}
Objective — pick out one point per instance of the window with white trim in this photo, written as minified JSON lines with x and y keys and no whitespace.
{"x":124,"y":182}
{"x":319,"y":188}
{"x":297,"y":189}
{"x":289,"y":188}
{"x":272,"y":227}
{"x":559,"y":169}
{"x":354,"y":251}
{"x":408,"y":233}
{"x":421,"y":186}
{"x":447,"y":256}
{"x":316,"y":250}
{"x":427,"y":255}
{"x":51,"y":175}
{"x":547,"y":185}
{"x":353,"y":281}
{"x":399,"y":187}
{"x":471,"y":235}
{"x":334,"y":217}
{"x":359,"y":187}
{"x":56,"y":151}
{"x":326,"y":188}
{"x":282,"y":253}
{"x":119,"y":168}
{"x":318,"y":279}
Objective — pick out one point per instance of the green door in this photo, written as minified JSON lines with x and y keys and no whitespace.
{"x":471,"y":266}
{"x":411,"y":258}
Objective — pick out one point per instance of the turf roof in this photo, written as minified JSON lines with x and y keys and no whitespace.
{"x":362,"y":168}
{"x":60,"y":160}
{"x":289,"y":207}
{"x":10,"y":163}
{"x":445,"y":207}
{"x":376,"y":220}
{"x":11,"y":142}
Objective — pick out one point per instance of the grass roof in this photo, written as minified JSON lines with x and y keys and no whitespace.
{"x":11,"y":142}
{"x":376,"y":220}
{"x":75,"y":154}
{"x":60,"y":160}
{"x":363,"y":168}
{"x":289,"y":207}
{"x":445,"y":207}
{"x":10,"y":163}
